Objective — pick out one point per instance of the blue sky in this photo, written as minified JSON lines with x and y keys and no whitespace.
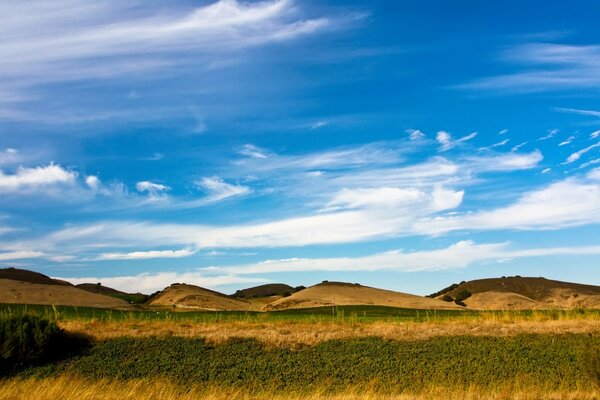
{"x":403,"y":145}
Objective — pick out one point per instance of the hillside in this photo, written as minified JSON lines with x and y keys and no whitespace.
{"x":20,"y":292}
{"x":97,"y":288}
{"x":24,"y":275}
{"x":194,"y":297}
{"x":523,"y":293}
{"x":132,"y":298}
{"x":268,"y":290}
{"x":340,"y":293}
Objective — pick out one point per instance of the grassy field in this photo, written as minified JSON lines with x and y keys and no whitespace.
{"x":338,"y":353}
{"x":549,"y":363}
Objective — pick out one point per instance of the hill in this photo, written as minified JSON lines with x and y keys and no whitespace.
{"x":24,"y":275}
{"x":189,"y":296}
{"x":268,"y":290}
{"x":133,"y":298}
{"x":98,"y":288}
{"x":341,"y":293}
{"x":520,"y":293}
{"x":22,"y":292}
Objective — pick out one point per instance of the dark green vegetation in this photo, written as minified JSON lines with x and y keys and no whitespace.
{"x":24,"y":275}
{"x":27,"y":340}
{"x":445,"y":290}
{"x":132,"y":298}
{"x":268,"y":290}
{"x":553,"y":361}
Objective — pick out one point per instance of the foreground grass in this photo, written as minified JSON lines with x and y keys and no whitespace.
{"x":74,"y":388}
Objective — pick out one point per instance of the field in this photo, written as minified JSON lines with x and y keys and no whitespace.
{"x":340,"y":352}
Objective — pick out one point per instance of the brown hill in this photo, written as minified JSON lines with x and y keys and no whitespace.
{"x":519,"y":293}
{"x":190,"y":296}
{"x":24,"y":275}
{"x":21,"y":292}
{"x":268,"y":290}
{"x":339,"y":293}
{"x":97,"y":288}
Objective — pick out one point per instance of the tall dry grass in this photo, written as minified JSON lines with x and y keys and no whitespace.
{"x":292,"y":333}
{"x":73,"y":388}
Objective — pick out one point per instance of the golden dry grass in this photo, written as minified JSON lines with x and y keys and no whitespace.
{"x":74,"y":388}
{"x":291,"y":333}
{"x":327,"y":294}
{"x":17,"y":292}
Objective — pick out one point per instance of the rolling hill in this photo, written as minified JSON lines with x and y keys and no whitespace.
{"x":19,"y":286}
{"x":24,"y":275}
{"x":133,"y":298}
{"x":340,"y":293}
{"x":180,"y":295}
{"x":521,"y":293}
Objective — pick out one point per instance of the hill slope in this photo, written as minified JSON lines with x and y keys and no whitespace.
{"x":519,"y":293}
{"x":190,"y":296}
{"x":15,"y":291}
{"x":24,"y":275}
{"x":339,"y":293}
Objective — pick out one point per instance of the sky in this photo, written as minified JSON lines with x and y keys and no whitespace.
{"x":399,"y":144}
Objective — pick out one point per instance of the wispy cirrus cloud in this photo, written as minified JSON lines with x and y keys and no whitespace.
{"x":447,"y":142}
{"x":577,"y":155}
{"x":217,"y":189}
{"x":146,"y":255}
{"x":546,"y":67}
{"x":456,"y":256}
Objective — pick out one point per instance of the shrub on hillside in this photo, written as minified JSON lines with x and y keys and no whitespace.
{"x":463,"y":295}
{"x":447,"y":298}
{"x":26,"y":340}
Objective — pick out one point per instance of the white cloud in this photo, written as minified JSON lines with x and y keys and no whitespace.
{"x":503,"y":132}
{"x":93,"y":182}
{"x":546,"y":170}
{"x":447,"y":142}
{"x":253,"y":151}
{"x":415,"y":134}
{"x":517,"y":147}
{"x":145,"y":255}
{"x":151,"y":282}
{"x":550,"y":134}
{"x":378,"y":197}
{"x":501,"y":143}
{"x":590,"y":113}
{"x":562,"y":204}
{"x":505,"y":162}
{"x":35,"y":178}
{"x":595,"y":135}
{"x":594,"y":174}
{"x":77,"y":40}
{"x":566,"y":141}
{"x":20,"y":255}
{"x":547,"y":66}
{"x":577,"y":155}
{"x":318,"y":124}
{"x":458,"y":255}
{"x":218,"y":189}
{"x":151,"y":187}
